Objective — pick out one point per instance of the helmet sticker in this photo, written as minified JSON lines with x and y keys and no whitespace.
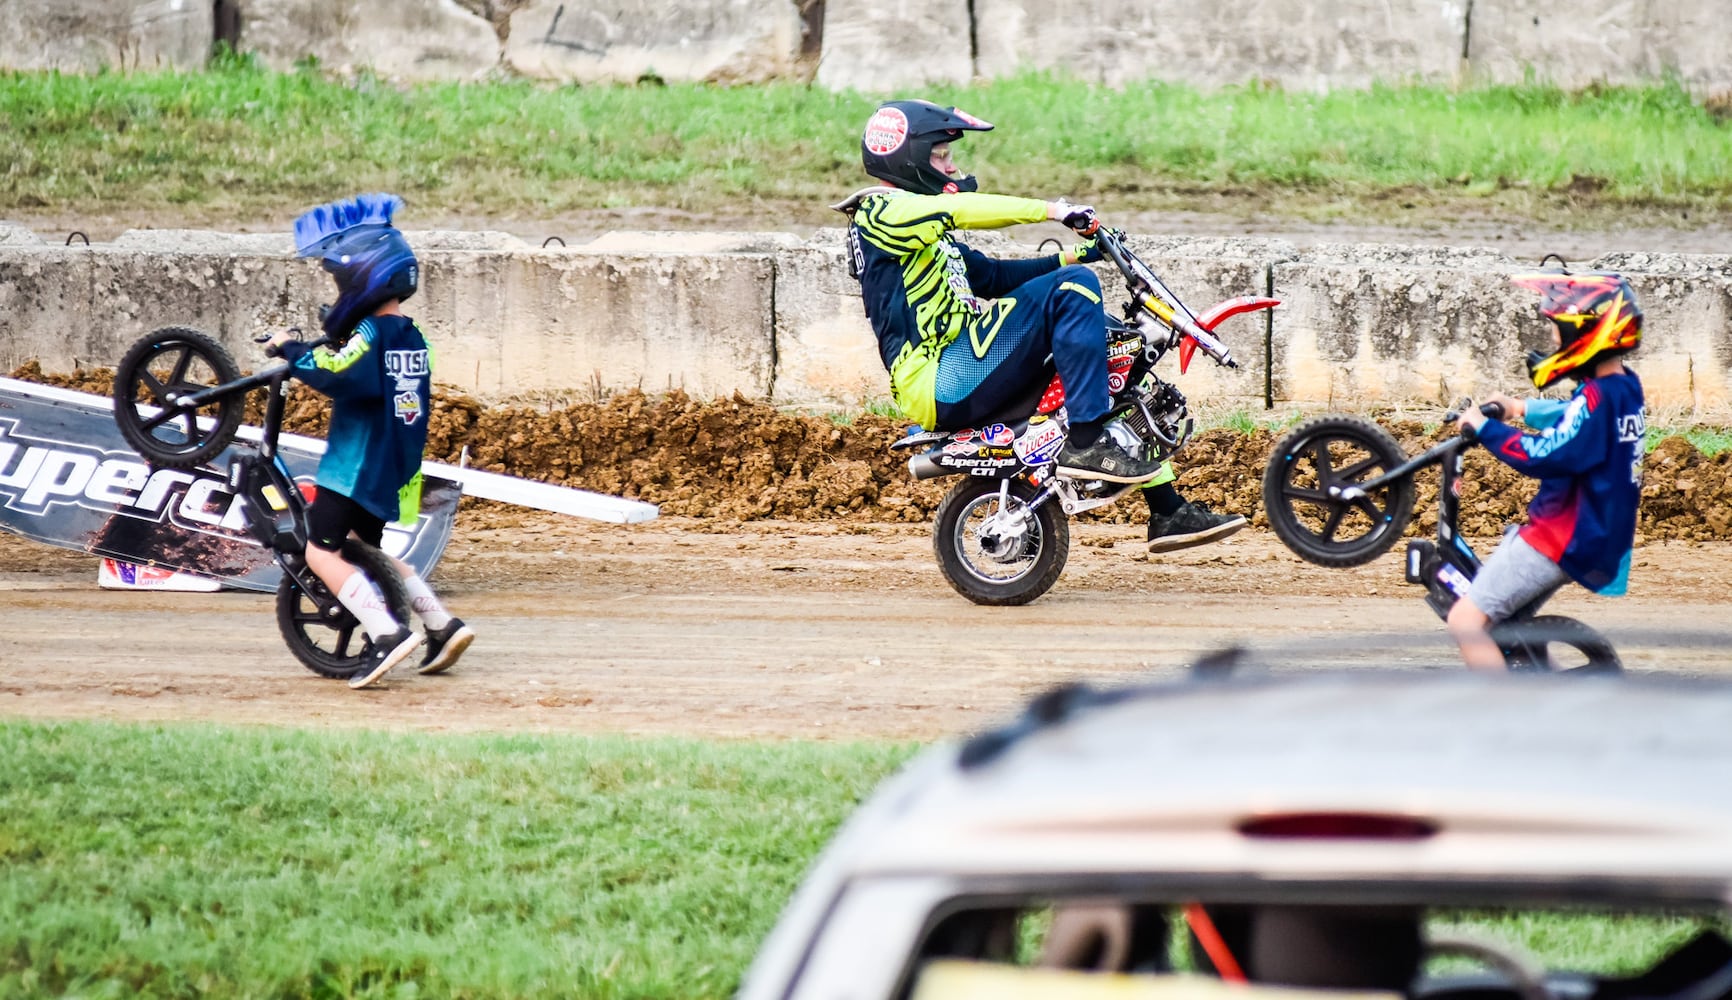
{"x":886,"y":132}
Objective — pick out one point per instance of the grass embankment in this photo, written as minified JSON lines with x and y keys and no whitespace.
{"x":183,"y":861}
{"x":179,"y":861}
{"x":241,"y":141}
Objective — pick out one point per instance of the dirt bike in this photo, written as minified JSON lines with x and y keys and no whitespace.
{"x":178,"y":400}
{"x":1339,"y":491}
{"x":1002,"y":534}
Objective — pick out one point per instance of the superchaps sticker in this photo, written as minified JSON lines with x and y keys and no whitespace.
{"x":67,"y":478}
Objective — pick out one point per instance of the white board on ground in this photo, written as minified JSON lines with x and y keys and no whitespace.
{"x":476,"y":483}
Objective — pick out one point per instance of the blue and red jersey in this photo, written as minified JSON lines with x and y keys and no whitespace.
{"x":1588,"y":459}
{"x":381,"y":387}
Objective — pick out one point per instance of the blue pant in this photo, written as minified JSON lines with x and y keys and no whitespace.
{"x":1000,"y":356}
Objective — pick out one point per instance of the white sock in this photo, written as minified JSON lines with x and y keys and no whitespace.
{"x":365,"y":602}
{"x":426,"y":605}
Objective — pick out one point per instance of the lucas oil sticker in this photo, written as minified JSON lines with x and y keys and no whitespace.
{"x":1040,"y":443}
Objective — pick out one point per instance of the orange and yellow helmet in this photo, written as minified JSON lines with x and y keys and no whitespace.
{"x":1596,"y":316}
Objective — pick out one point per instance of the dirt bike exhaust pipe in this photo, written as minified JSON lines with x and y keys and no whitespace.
{"x":923,"y":467}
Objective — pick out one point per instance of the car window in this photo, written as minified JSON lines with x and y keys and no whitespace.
{"x":955,"y":979}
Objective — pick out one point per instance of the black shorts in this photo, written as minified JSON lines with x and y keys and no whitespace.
{"x":333,"y":516}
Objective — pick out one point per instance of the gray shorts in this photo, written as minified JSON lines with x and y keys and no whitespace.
{"x":1515,"y":574}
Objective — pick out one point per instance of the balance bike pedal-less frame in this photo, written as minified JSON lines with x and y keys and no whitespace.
{"x":1339,"y":492}
{"x":178,"y":400}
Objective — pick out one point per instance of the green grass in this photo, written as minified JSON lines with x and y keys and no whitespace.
{"x":239,"y":138}
{"x":1710,"y":441}
{"x":183,"y":861}
{"x":190,"y":861}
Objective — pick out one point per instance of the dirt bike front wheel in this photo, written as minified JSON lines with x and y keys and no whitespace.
{"x":999,"y":553}
{"x":1555,"y":644}
{"x":333,"y":644}
{"x":158,"y":369}
{"x":1310,"y":491}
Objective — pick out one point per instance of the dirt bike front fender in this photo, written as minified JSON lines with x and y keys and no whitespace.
{"x":1218,"y":313}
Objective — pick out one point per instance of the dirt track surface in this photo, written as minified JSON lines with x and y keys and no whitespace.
{"x":774,"y":629}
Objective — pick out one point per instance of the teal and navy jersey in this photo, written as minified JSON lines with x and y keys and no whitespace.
{"x":381,"y":388}
{"x":1588,"y":460}
{"x":922,"y":288}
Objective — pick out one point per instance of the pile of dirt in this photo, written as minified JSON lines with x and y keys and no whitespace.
{"x":740,"y":460}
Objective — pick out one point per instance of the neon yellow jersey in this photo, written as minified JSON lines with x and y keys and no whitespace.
{"x":916,"y":280}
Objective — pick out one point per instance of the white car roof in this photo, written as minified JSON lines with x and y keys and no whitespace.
{"x":1523,"y":778}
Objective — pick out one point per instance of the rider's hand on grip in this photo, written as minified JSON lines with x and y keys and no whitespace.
{"x":273,"y":341}
{"x":1080,"y":218}
{"x":1469,"y":417}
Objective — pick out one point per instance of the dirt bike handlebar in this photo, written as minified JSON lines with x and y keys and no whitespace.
{"x":1158,"y":299}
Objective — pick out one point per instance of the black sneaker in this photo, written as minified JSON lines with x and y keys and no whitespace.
{"x":1192,"y":524}
{"x":445,"y":645}
{"x":387,"y":652}
{"x":1105,"y":460}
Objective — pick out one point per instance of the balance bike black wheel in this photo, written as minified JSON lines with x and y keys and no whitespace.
{"x":997,"y":556}
{"x":1555,"y":644}
{"x":334,"y":645}
{"x":170,"y":364}
{"x":1302,"y":484}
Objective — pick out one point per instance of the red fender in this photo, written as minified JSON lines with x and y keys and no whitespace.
{"x":1216,"y":314}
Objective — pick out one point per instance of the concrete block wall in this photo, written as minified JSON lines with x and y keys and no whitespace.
{"x":1339,"y":43}
{"x":777,"y":318}
{"x":83,"y":36}
{"x":900,"y":46}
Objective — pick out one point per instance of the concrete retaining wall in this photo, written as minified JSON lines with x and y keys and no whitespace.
{"x":899,"y":46}
{"x":773,"y":317}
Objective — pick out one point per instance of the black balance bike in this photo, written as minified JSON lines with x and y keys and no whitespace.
{"x":1339,"y":492}
{"x":178,"y":400}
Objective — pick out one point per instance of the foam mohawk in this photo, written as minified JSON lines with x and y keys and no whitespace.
{"x":316,"y":227}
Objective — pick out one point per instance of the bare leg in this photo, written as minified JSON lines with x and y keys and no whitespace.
{"x":329,"y":567}
{"x":1470,"y":627}
{"x":361,"y":596}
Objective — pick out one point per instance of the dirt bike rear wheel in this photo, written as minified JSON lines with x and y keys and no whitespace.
{"x":1330,"y":453}
{"x":168,"y":364}
{"x":996,"y":557}
{"x":336,"y":646}
{"x":1555,"y":644}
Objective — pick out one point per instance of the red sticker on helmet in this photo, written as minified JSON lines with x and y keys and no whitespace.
{"x":970,"y":119}
{"x":886,"y":132}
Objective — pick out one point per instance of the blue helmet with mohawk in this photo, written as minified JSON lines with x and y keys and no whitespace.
{"x":366,"y":255}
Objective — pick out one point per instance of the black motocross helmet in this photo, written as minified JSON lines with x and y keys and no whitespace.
{"x":897,"y":145}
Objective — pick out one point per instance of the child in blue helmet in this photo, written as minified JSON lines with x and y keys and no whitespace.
{"x":963,"y":334}
{"x":378,"y":373}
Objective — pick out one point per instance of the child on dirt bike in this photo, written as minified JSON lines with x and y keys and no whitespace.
{"x":963,"y":334}
{"x":378,"y":374}
{"x":1588,"y":458}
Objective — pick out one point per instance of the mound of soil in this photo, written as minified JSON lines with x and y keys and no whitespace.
{"x":740,"y":460}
